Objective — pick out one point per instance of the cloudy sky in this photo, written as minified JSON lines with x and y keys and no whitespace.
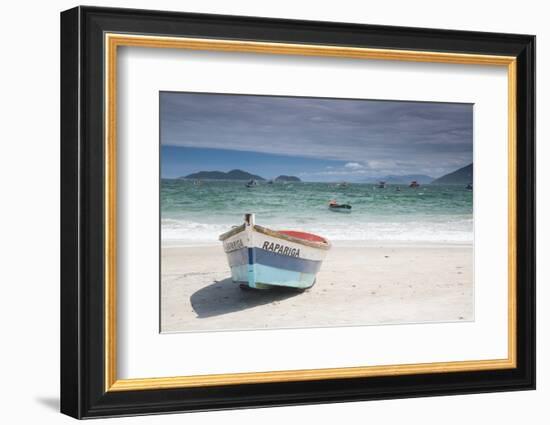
{"x":318,"y":139}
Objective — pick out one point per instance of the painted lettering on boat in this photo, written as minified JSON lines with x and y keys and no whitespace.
{"x":233,"y":245}
{"x":281,"y":249}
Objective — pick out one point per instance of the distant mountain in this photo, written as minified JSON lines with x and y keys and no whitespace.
{"x":220,"y":175}
{"x":463,"y":175}
{"x":284,"y":178}
{"x":404,"y":179}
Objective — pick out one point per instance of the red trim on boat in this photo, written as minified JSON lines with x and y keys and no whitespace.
{"x":303,"y":235}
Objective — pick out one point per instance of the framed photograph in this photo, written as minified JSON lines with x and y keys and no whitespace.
{"x":261,"y":212}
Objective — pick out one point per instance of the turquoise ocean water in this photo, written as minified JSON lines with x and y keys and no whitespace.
{"x":200,"y":213}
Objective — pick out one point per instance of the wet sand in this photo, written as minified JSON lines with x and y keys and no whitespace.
{"x":357,"y":285}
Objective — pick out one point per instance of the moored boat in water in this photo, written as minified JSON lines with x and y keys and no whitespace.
{"x":414,"y":184}
{"x":336,"y":207}
{"x":261,"y":258}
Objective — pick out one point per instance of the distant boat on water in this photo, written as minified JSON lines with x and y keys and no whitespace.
{"x":197,"y":182}
{"x":470,"y":186}
{"x":251,"y":183}
{"x":270,"y":181}
{"x":381,"y":185}
{"x":261,"y":258}
{"x":342,"y":185}
{"x":414,"y":184}
{"x":336,"y":207}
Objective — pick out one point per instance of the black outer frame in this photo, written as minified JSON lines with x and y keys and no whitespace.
{"x":82,"y":218}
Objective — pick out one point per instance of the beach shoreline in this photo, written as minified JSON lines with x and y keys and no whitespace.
{"x":360,"y":283}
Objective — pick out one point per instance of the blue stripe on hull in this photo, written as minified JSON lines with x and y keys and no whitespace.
{"x":251,"y":274}
{"x":272,"y":259}
{"x":266,"y":275}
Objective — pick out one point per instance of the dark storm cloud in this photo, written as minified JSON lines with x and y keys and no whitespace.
{"x":378,"y":136}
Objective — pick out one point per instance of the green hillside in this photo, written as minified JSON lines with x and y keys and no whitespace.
{"x":464,"y":175}
{"x":220,"y":175}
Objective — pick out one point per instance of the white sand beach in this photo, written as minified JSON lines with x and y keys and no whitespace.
{"x":359,"y":284}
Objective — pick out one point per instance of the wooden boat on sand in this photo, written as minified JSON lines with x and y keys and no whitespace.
{"x":261,"y":258}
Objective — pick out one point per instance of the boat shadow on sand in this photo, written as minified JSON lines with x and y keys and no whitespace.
{"x":225,"y":296}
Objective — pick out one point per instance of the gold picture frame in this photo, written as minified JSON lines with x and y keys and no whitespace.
{"x":114,"y":41}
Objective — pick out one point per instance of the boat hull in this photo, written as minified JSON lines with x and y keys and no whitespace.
{"x":340,"y":209}
{"x":265,"y":276}
{"x":262,"y":258}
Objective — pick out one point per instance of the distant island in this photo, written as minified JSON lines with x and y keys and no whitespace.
{"x":235,"y":175}
{"x":402,"y":179}
{"x":220,"y":175}
{"x":284,"y":178}
{"x":463,"y":175}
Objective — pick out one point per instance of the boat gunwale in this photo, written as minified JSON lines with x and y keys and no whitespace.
{"x":273,"y":233}
{"x":233,"y":231}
